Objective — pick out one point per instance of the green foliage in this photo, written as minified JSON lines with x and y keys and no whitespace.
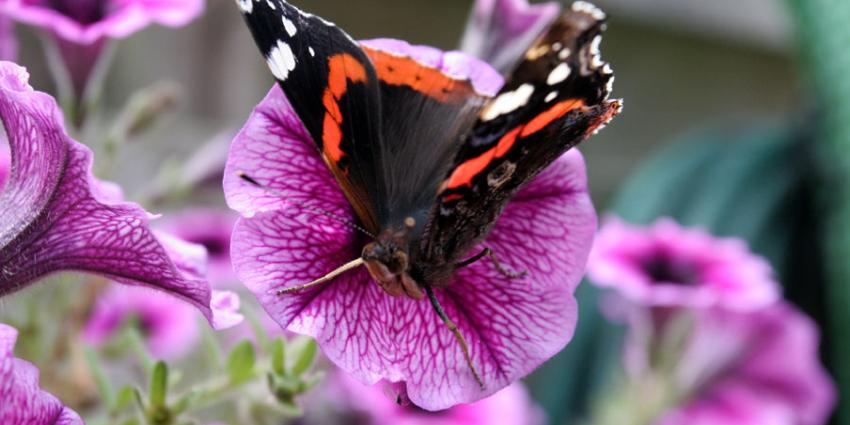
{"x":240,"y":363}
{"x":824,"y":40}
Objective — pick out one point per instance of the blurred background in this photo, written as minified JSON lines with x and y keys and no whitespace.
{"x":731,"y":122}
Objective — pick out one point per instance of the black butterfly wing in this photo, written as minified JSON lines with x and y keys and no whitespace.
{"x":556,"y":98}
{"x":426,"y":110}
{"x":333,"y":87}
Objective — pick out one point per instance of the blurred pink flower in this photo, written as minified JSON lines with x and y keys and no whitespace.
{"x":210,"y":228}
{"x":512,"y":325}
{"x":55,"y":216}
{"x":85,"y":22}
{"x":752,"y":368}
{"x":80,"y":28}
{"x":168,"y":325}
{"x":668,"y":265}
{"x":8,"y":41}
{"x":22,"y":402}
{"x":381,"y":405}
{"x":500,"y":31}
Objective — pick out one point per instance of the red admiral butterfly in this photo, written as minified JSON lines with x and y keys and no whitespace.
{"x":427,"y":163}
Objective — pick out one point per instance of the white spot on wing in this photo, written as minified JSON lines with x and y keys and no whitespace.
{"x":558,"y":74}
{"x":508,"y":102}
{"x":564,"y":54}
{"x":289,"y":27}
{"x":281,"y":60}
{"x":312,"y":52}
{"x":590,"y":9}
{"x":551,"y":96}
{"x":247,"y":6}
{"x":595,"y":56}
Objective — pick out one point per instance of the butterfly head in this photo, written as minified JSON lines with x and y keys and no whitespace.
{"x":388,"y":262}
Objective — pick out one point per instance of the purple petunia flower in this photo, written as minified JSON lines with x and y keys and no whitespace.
{"x":512,"y":325}
{"x":752,"y":368}
{"x":88,"y":21}
{"x":55,"y":216}
{"x":500,"y":31}
{"x":22,"y":402}
{"x":169,"y":326}
{"x":377,"y":405}
{"x":80,"y":28}
{"x":667,"y":265}
{"x":210,"y":228}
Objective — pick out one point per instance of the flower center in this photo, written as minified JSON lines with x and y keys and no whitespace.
{"x":663,"y":269}
{"x":216,"y":247}
{"x":85,"y":12}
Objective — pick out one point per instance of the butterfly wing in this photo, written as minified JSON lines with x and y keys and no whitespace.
{"x":556,"y":98}
{"x":333,"y":87}
{"x":427,"y":107}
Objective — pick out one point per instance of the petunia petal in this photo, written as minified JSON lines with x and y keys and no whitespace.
{"x":210,"y":228}
{"x":455,"y":64}
{"x":754,"y":367}
{"x":512,"y":325}
{"x":169,"y":326}
{"x":55,"y":216}
{"x":274,"y":148}
{"x":724,"y":272}
{"x":123,"y":19}
{"x":22,"y":402}
{"x":5,"y":164}
{"x":8,"y":41}
{"x":500,"y":31}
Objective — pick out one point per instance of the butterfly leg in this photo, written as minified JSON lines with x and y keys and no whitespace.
{"x":458,"y":336}
{"x":487,"y":252}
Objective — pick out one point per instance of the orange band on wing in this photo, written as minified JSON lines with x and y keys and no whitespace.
{"x":555,"y":112}
{"x":404,"y":71}
{"x":342,"y":68}
{"x":466,"y":171}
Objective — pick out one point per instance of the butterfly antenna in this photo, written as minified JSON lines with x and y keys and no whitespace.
{"x":324,"y":279}
{"x":332,"y":216}
{"x":458,"y":336}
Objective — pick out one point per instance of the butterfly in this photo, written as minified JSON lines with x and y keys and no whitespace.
{"x":427,"y":162}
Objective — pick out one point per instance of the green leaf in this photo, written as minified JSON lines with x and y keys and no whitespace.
{"x":310,"y":382}
{"x":240,"y":363}
{"x":304,"y":352}
{"x":278,"y":356}
{"x":823,"y":40}
{"x":124,"y":398}
{"x":159,"y":385}
{"x":185,"y":402}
